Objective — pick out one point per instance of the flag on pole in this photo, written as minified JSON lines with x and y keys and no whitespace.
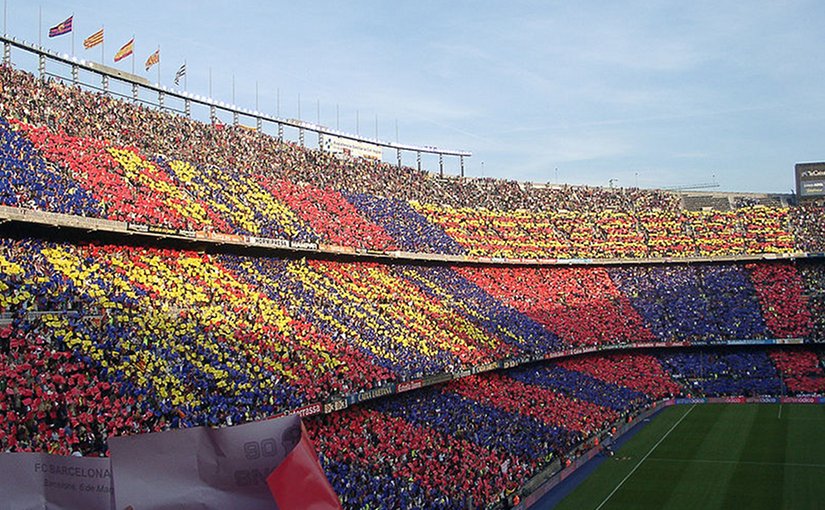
{"x":153,"y":59}
{"x":93,"y":40}
{"x":126,"y":50}
{"x":61,"y":28}
{"x":180,"y":74}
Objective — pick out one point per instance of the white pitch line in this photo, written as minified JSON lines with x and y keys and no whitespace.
{"x":645,"y":458}
{"x":780,"y":412}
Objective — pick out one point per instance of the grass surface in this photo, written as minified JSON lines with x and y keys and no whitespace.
{"x":754,"y":456}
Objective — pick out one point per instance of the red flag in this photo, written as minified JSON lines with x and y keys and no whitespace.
{"x":299,"y":481}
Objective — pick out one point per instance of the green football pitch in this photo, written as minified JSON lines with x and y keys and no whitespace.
{"x":753,"y":456}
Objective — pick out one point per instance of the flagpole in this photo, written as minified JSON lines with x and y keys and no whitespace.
{"x":73,"y":34}
{"x":39,"y":27}
{"x":185,"y":74}
{"x":158,"y":64}
{"x":102,"y":43}
{"x":133,"y":53}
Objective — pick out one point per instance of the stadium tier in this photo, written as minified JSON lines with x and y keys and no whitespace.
{"x":74,"y":152}
{"x":494,"y":430}
{"x":202,"y":338}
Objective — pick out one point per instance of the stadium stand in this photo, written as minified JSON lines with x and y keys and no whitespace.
{"x":515,"y":424}
{"x":104,"y":338}
{"x":807,"y":227}
{"x":801,"y":371}
{"x":580,"y":305}
{"x":120,"y":161}
{"x":813,"y":281}
{"x":715,"y":374}
{"x":637,"y":371}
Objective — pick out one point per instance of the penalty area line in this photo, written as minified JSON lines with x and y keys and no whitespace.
{"x":644,"y":458}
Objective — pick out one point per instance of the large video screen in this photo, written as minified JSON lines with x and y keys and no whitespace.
{"x":810,"y":180}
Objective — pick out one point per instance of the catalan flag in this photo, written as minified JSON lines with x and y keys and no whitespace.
{"x":153,"y":59}
{"x":62,"y":28}
{"x":93,"y":40}
{"x":126,"y":50}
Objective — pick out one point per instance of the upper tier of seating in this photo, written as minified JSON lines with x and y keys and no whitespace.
{"x":75,"y":152}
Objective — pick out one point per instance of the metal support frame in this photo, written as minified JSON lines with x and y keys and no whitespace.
{"x":106,"y":85}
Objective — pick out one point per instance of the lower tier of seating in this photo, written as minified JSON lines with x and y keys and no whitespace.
{"x":479,"y":439}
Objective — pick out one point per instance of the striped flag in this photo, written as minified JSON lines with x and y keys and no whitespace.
{"x":93,"y":40}
{"x":62,"y":28}
{"x":153,"y":59}
{"x":126,"y":50}
{"x":180,"y":74}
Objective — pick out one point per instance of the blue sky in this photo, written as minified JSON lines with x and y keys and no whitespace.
{"x":662,"y":93}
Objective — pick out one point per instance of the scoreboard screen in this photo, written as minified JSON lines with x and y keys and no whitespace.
{"x":810,"y":180}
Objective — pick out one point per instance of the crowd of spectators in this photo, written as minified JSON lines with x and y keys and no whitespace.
{"x":613,"y":233}
{"x":489,"y":434}
{"x":411,"y":231}
{"x":693,"y":303}
{"x":813,"y":282}
{"x":99,"y":340}
{"x":637,"y":371}
{"x":801,"y":370}
{"x":495,"y":315}
{"x":724,"y":373}
{"x":118,"y":160}
{"x":782,"y":299}
{"x":806,"y":226}
{"x":493,"y":431}
{"x":582,"y":306}
{"x":27,"y":181}
{"x":301,"y":331}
